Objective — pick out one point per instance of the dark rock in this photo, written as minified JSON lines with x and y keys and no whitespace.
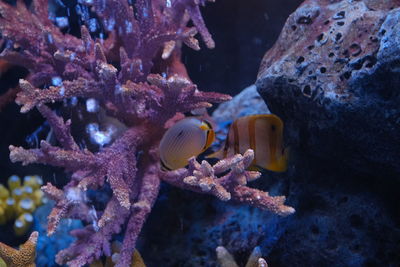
{"x":341,"y":219}
{"x":334,"y":77}
{"x":335,"y":82}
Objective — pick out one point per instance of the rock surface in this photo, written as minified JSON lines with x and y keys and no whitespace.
{"x":334,"y":78}
{"x":248,"y":102}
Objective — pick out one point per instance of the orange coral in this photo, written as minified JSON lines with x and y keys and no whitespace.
{"x":22,"y":257}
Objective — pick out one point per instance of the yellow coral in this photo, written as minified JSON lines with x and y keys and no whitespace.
{"x":22,"y":257}
{"x":20,"y":200}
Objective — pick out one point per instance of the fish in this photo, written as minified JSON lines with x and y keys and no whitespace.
{"x":263,"y":134}
{"x":187,"y":138}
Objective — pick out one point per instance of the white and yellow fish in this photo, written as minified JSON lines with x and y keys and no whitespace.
{"x":187,"y":138}
{"x":261,"y":133}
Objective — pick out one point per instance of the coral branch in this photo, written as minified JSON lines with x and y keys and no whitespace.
{"x":147,"y":196}
{"x":138,"y":80}
{"x":203,"y":178}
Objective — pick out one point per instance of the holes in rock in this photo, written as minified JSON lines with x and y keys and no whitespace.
{"x":347,"y":75}
{"x":340,"y":23}
{"x":357,"y":65}
{"x":327,"y":22}
{"x":331,"y":54}
{"x":356,"y":221}
{"x":322,"y":69}
{"x":300,"y":60}
{"x":320,"y":37}
{"x":294,"y":27}
{"x":373,"y":39}
{"x":340,"y":15}
{"x":382,"y":32}
{"x":307,"y":90}
{"x":338,"y":36}
{"x":370,"y":61}
{"x":311,"y":47}
{"x":355,"y":49}
{"x":304,"y":20}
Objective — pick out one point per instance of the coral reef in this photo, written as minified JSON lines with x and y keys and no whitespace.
{"x":24,"y":256}
{"x":19,"y":201}
{"x":335,"y":83}
{"x":120,"y":72}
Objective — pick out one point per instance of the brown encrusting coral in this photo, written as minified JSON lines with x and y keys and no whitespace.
{"x":24,"y":256}
{"x":141,"y":39}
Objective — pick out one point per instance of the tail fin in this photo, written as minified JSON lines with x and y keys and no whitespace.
{"x":280,"y":165}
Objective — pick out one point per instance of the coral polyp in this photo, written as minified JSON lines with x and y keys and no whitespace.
{"x":19,"y":201}
{"x":136,"y":76}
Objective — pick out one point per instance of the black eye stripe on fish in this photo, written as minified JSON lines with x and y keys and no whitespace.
{"x":188,"y":137}
{"x":208,"y":124}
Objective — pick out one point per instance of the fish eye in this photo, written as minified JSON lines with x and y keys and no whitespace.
{"x":273,"y":128}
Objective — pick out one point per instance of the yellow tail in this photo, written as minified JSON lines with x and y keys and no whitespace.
{"x":279,"y":165}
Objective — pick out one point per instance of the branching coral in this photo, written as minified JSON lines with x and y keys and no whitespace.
{"x":143,"y":40}
{"x":24,"y":256}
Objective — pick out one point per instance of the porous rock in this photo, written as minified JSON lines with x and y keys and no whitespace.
{"x":334,"y":78}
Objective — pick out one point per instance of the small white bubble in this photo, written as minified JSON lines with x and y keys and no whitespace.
{"x":100,"y":137}
{"x":62,"y":22}
{"x":92,"y":105}
{"x":168,"y":3}
{"x":56,"y":81}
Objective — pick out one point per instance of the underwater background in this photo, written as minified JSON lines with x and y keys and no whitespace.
{"x":329,"y":69}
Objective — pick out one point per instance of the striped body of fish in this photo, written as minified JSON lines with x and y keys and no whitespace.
{"x":187,"y":138}
{"x":261,"y":133}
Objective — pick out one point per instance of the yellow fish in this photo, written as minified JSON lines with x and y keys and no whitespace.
{"x":261,"y":133}
{"x":187,"y":138}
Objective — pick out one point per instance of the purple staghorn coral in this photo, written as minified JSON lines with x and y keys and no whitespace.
{"x":143,"y":40}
